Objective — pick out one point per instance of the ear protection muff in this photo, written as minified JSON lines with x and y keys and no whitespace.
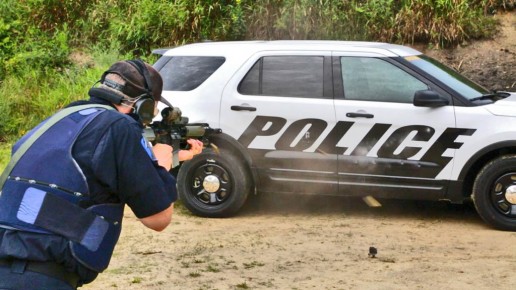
{"x":144,"y":107}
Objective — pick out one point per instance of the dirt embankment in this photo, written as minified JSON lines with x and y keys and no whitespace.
{"x":491,"y":63}
{"x":323,"y":243}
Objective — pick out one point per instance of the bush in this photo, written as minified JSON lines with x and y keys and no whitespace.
{"x":5,"y":153}
{"x":41,"y":39}
{"x":443,"y":23}
{"x":301,"y":19}
{"x":25,"y":45}
{"x":35,"y":94}
{"x":146,"y":24}
{"x":438,"y":22}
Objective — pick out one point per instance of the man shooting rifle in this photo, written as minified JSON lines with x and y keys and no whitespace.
{"x":63,"y":193}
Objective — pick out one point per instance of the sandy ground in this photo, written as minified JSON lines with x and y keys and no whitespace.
{"x":308,"y":243}
{"x":323,"y":243}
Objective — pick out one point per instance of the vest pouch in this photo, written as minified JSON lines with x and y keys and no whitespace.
{"x":38,"y":208}
{"x":98,"y":260}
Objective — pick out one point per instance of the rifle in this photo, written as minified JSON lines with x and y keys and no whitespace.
{"x":174,"y":130}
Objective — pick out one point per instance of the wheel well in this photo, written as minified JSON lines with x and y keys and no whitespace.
{"x":225,"y":141}
{"x":478,"y":164}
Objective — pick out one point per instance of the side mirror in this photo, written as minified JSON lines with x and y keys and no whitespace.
{"x":428,"y":98}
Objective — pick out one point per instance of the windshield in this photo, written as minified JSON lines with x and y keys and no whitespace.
{"x":448,"y":76}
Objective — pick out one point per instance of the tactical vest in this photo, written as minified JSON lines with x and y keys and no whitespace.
{"x":42,"y":187}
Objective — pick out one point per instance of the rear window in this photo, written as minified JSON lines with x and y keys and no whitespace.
{"x":185,"y":73}
{"x":285,"y":76}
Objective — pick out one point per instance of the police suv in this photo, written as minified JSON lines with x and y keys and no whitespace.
{"x":340,"y":118}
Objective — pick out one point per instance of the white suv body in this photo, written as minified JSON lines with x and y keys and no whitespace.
{"x":340,"y":118}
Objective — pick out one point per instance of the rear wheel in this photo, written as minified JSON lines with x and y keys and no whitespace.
{"x":494,"y":193}
{"x":214,"y":184}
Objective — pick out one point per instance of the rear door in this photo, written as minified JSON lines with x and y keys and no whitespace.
{"x":279,"y":105}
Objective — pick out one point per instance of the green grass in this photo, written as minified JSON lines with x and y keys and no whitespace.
{"x":5,"y":153}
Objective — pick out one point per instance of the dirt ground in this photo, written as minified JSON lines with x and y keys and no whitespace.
{"x":323,"y":243}
{"x":308,"y":243}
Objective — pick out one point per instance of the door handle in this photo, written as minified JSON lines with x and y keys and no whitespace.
{"x":359,"y":115}
{"x":243,"y":108}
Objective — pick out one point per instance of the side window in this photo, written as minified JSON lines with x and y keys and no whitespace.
{"x":285,"y":76}
{"x":185,"y":73}
{"x":374,"y":79}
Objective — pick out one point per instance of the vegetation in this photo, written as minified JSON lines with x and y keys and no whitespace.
{"x":4,"y":155}
{"x":52,"y":51}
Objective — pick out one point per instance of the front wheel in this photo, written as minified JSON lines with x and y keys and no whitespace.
{"x":214,"y":184}
{"x":494,"y":193}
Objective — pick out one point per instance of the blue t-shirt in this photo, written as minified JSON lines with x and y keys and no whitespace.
{"x":119,"y":166}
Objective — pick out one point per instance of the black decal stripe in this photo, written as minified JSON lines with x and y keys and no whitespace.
{"x":423,"y":133}
{"x":317,"y":126}
{"x":444,"y":142}
{"x":329,"y":145}
{"x":370,"y":139}
{"x":257,"y":128}
{"x":386,"y":167}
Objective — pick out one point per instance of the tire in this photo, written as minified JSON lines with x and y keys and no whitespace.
{"x":494,"y":193}
{"x":214,"y":184}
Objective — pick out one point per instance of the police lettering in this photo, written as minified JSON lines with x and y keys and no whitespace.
{"x":303,"y":134}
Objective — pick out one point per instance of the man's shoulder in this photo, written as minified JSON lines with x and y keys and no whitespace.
{"x":112,"y":123}
{"x":108,"y":114}
{"x":107,"y":120}
{"x":116,"y":120}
